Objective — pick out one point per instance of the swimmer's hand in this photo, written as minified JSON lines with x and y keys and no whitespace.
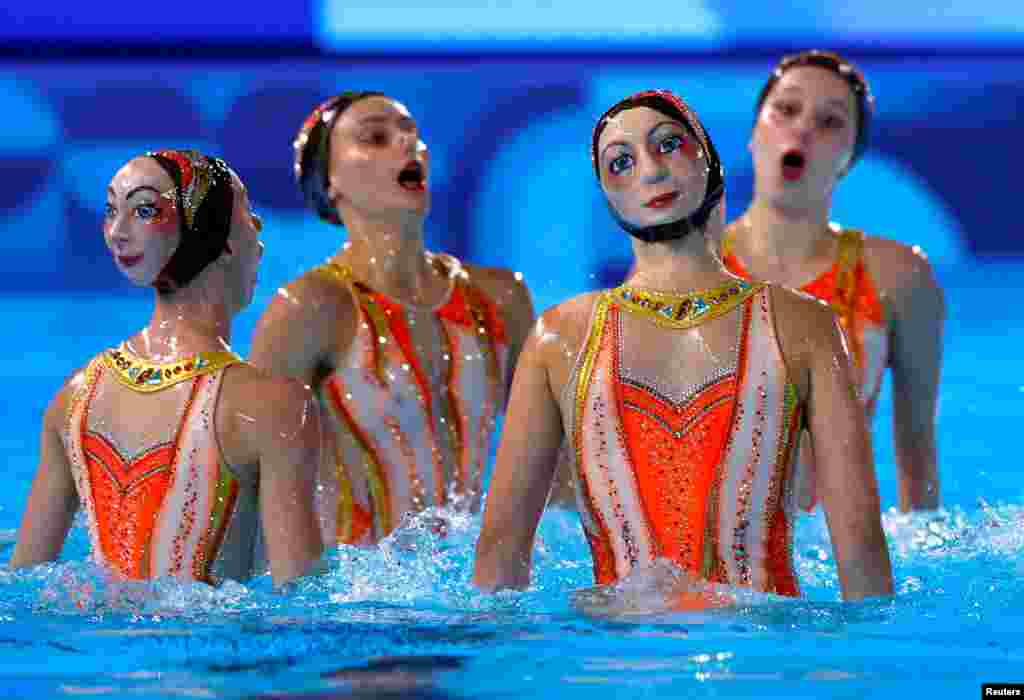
{"x":657,"y":589}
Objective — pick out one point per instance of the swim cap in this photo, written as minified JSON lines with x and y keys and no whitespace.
{"x":671,"y":106}
{"x":312,"y":152}
{"x":838,"y":65}
{"x":205,"y":200}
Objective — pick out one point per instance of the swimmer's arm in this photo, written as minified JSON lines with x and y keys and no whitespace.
{"x":844,"y":463}
{"x":304,"y":324}
{"x":918,"y":313}
{"x":519,"y":319}
{"x":510,"y":294}
{"x":287,"y":439}
{"x":523,"y":471}
{"x":53,"y":500}
{"x":295,"y":333}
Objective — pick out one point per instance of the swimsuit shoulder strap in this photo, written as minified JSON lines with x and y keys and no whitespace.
{"x":848,"y":258}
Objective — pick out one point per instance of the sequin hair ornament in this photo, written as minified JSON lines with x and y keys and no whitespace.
{"x":672,"y":106}
{"x":848,"y":72}
{"x":312,"y":146}
{"x":205,"y":198}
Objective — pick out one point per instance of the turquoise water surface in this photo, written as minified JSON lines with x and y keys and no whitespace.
{"x":402,"y":620}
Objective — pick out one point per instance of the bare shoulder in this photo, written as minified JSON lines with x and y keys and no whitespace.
{"x":254,"y":395}
{"x":316,"y":295}
{"x":56,"y":410}
{"x":799,"y":309}
{"x":897,"y":266}
{"x":501,"y":285}
{"x":259,"y":411}
{"x":564,"y":327}
{"x":307,"y":320}
{"x":807,"y":328}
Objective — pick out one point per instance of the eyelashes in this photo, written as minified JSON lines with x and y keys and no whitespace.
{"x":147,"y":212}
{"x":624,"y":161}
{"x":619,"y":164}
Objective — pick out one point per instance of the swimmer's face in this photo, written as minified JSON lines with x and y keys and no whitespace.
{"x":246,"y":246}
{"x":141,"y":224}
{"x":653,"y":170}
{"x":378,"y":167}
{"x":804,"y":136}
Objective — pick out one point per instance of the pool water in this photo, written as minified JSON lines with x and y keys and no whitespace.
{"x":402,"y":620}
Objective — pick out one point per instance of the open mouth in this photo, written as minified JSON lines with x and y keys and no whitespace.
{"x":793,"y":164}
{"x":412,"y":177}
{"x":663,"y":200}
{"x":129,"y":260}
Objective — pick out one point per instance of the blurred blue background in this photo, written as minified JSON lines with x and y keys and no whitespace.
{"x":506,"y":94}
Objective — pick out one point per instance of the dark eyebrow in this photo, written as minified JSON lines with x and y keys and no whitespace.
{"x":614,"y":143}
{"x":667,"y":122}
{"x":834,"y":101}
{"x":384,"y":118}
{"x":138,"y":189}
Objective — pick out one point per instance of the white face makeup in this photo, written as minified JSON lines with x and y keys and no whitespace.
{"x":652,"y":169}
{"x":141,"y":224}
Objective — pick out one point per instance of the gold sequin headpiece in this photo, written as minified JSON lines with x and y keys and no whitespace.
{"x":204,"y":196}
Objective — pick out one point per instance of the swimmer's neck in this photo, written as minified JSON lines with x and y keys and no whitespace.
{"x":681,"y":265}
{"x":771,"y":231}
{"x":389,"y":257}
{"x":189,"y":321}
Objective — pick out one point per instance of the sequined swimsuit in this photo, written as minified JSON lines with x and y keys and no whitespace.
{"x":698,"y":476}
{"x":848,"y":289}
{"x":175,"y":508}
{"x":416,"y":441}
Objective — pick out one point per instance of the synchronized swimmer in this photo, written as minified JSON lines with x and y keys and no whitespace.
{"x":692,"y":409}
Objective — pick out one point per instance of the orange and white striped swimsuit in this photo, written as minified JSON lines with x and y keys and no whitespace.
{"x":417,"y":441}
{"x":700,"y":475}
{"x":170,"y":506}
{"x":846,"y":287}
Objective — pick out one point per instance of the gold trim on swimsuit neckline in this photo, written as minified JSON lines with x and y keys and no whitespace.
{"x":146,"y":377}
{"x":673,"y":310}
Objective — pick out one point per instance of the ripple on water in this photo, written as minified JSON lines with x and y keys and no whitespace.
{"x":957,"y":572}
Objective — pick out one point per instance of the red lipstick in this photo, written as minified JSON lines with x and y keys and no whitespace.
{"x":129,"y":260}
{"x":663,"y":200}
